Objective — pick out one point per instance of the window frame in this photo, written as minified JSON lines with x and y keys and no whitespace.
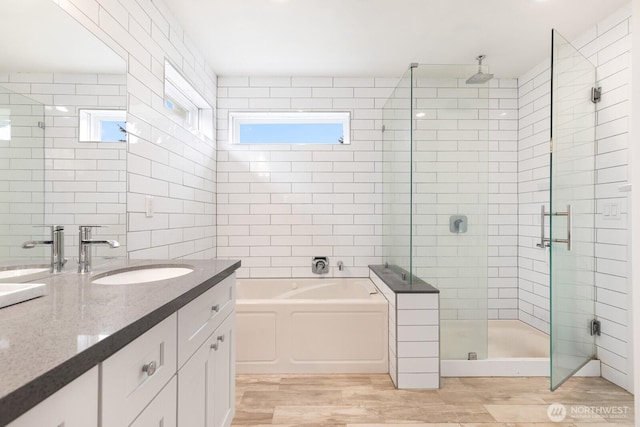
{"x":238,"y":118}
{"x":90,"y":123}
{"x":179,"y":91}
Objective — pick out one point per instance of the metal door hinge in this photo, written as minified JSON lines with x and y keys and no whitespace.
{"x":595,"y":327}
{"x":551,"y":145}
{"x":596,"y":94}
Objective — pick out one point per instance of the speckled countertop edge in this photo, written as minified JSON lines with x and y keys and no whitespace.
{"x":391,"y":275}
{"x":20,"y":400}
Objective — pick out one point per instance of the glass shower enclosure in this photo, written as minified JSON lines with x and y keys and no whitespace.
{"x":435,"y":187}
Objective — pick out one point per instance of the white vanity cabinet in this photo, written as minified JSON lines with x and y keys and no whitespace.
{"x":75,"y":405}
{"x":206,"y":381}
{"x":179,"y":373}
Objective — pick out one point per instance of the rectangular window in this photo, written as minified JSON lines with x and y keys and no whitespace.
{"x":103,"y":125}
{"x":185,"y":105}
{"x":289,"y":128}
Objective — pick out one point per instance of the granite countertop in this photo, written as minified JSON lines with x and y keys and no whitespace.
{"x":392,"y":276}
{"x":47,"y":342}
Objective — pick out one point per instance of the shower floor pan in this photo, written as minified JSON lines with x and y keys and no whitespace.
{"x":515,"y":350}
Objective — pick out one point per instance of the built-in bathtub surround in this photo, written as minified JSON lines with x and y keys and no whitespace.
{"x":78,"y":324}
{"x":414,"y":329}
{"x":606,"y":45}
{"x":311,"y":326}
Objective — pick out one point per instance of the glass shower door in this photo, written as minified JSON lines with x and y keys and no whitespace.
{"x":572,"y":210}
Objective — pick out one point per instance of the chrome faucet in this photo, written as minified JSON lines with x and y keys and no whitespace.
{"x":57,"y":247}
{"x":340,"y":265}
{"x":84,"y":255}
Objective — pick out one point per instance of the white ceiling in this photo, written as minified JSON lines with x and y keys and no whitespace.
{"x":379,"y":37}
{"x":39,"y":36}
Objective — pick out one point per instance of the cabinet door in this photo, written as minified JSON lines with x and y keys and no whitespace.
{"x":161,"y":412}
{"x":75,"y":405}
{"x":195,"y":393}
{"x":224,"y":388}
{"x":206,"y":383}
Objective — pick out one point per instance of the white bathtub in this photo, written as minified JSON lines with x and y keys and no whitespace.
{"x":310,"y":326}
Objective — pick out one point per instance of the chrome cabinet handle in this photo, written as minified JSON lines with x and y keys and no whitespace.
{"x":214,"y":346}
{"x":216,"y":308}
{"x":221,"y":338}
{"x":150,"y":368}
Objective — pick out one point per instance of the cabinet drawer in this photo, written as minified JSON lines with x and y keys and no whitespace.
{"x":75,"y":405}
{"x":162,"y":410}
{"x":198,"y":319}
{"x":128,"y":380}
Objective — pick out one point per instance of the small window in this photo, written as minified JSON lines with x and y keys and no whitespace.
{"x":103,"y":125}
{"x":185,"y":105}
{"x":289,"y":128}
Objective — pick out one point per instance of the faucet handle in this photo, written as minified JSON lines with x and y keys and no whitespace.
{"x":51,"y":227}
{"x":85,"y":230}
{"x":90,"y":226}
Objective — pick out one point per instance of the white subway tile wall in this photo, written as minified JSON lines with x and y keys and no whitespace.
{"x":607,"y":46}
{"x":465,"y":164}
{"x":84,"y":182}
{"x":279,"y":205}
{"x":414,"y":356}
{"x":22,"y":170}
{"x":164,"y":160}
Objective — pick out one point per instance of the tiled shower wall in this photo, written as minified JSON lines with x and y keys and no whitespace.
{"x":608,"y":46}
{"x":164,"y":160}
{"x":85,"y":182}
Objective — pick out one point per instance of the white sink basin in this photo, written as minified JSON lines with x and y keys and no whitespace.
{"x":133,"y":275}
{"x":18,"y":272}
{"x":13,"y":293}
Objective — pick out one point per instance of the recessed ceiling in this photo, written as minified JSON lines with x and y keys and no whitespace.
{"x":39,"y":36}
{"x":379,"y":37}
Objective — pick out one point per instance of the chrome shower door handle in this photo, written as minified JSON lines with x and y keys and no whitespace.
{"x":544,"y":241}
{"x":568,"y":239}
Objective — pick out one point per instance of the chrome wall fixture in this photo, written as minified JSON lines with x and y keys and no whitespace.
{"x":546,"y":241}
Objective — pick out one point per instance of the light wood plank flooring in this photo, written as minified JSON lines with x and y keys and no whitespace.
{"x":372,"y":401}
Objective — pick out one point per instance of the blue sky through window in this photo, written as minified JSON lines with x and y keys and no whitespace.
{"x":291,"y":133}
{"x":110,"y":131}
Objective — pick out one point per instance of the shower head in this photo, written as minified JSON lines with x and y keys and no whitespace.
{"x":480,"y":77}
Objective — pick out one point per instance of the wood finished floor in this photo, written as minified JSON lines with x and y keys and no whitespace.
{"x":372,"y":401}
